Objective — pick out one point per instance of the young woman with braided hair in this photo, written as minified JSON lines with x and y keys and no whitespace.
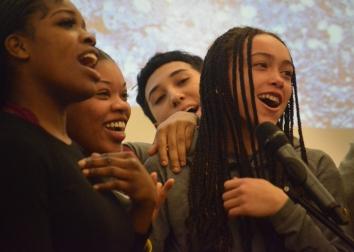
{"x":235,"y":196}
{"x":235,"y":201}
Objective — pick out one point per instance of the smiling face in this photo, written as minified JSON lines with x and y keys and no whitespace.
{"x":98,"y":124}
{"x":173,"y":87}
{"x":272,"y":71}
{"x":61,"y":53}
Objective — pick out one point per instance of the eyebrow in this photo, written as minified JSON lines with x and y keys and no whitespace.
{"x":71,"y":12}
{"x":109,"y":82}
{"x":105,"y":81}
{"x":271,"y":56}
{"x":170,"y":75}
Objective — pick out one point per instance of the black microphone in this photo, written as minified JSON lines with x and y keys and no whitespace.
{"x":275,"y":142}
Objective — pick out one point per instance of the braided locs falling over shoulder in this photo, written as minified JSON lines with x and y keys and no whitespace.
{"x":221,"y":130}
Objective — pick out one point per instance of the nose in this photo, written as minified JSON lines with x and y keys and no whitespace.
{"x":121,"y":106}
{"x":88,"y":38}
{"x":177,"y":98}
{"x":277,"y":79}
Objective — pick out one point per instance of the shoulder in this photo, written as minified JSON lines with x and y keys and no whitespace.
{"x":140,"y":149}
{"x":322,"y":165}
{"x":19,"y":137}
{"x":346,"y":167}
{"x":318,"y":160}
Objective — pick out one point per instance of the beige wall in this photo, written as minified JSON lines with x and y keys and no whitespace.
{"x":333,"y":141}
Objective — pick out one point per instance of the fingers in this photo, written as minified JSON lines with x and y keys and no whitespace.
{"x":162,"y":191}
{"x":189,"y":137}
{"x":235,"y":199}
{"x":124,"y":160}
{"x":110,"y":171}
{"x":181,"y":145}
{"x":173,"y":139}
{"x":153,"y":148}
{"x":233,"y":183}
{"x":233,"y":203}
{"x":161,"y":146}
{"x":172,"y":148}
{"x":153,"y":175}
{"x":168,"y":185}
{"x":114,"y":184}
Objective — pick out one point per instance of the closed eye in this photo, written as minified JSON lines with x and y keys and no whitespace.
{"x":182,"y":81}
{"x":159,"y":99}
{"x":103,"y":94}
{"x":67,"y":22}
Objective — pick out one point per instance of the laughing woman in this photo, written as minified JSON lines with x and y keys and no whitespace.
{"x":47,"y":63}
{"x":98,"y":126}
{"x":249,"y":78}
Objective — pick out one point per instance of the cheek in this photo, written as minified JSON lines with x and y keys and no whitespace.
{"x":129,"y":110}
{"x":288,"y":92}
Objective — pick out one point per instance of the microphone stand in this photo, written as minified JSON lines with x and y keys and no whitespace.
{"x":319,"y":215}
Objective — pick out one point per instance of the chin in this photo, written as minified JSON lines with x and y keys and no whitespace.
{"x":265,"y":119}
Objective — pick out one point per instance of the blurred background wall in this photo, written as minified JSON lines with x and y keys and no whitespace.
{"x":319,"y":34}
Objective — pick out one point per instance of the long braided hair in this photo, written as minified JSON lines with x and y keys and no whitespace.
{"x":221,"y":124}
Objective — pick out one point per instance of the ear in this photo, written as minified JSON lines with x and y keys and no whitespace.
{"x":16,"y":46}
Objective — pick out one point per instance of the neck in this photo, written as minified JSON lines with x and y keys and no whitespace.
{"x":50,"y":115}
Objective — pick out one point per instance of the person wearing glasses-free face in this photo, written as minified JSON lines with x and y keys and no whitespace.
{"x":168,"y":87}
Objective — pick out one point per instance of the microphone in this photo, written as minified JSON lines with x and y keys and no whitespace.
{"x":275,"y":143}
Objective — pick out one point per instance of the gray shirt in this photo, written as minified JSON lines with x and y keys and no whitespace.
{"x":346,"y":169}
{"x":298,"y":231}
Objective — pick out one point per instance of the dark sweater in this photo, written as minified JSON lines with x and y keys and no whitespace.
{"x":47,"y":204}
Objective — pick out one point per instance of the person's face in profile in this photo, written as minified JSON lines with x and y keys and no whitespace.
{"x":173,"y":87}
{"x":272,"y":71}
{"x":61,"y":52}
{"x":98,"y":124}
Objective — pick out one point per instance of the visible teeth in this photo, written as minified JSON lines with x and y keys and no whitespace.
{"x":118,"y":125}
{"x":269,"y":97}
{"x":89,"y":59}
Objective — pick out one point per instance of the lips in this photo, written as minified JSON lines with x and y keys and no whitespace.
{"x":116,"y":125}
{"x":89,"y":58}
{"x":192,"y":108}
{"x":115,"y":129}
{"x":272,"y":100}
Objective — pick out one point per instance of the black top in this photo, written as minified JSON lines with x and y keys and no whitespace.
{"x":46,"y":203}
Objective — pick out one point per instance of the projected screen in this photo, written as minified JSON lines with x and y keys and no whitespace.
{"x":319,"y":33}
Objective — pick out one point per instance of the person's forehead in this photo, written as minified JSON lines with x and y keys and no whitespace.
{"x":166,"y":71}
{"x":269,"y":44}
{"x":49,"y":7}
{"x":168,"y":68}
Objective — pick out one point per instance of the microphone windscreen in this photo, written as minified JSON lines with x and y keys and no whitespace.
{"x":270,"y":137}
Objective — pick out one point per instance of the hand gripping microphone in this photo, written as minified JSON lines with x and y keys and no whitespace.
{"x":276,"y":143}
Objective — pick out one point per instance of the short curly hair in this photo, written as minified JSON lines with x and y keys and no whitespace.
{"x":154,"y":63}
